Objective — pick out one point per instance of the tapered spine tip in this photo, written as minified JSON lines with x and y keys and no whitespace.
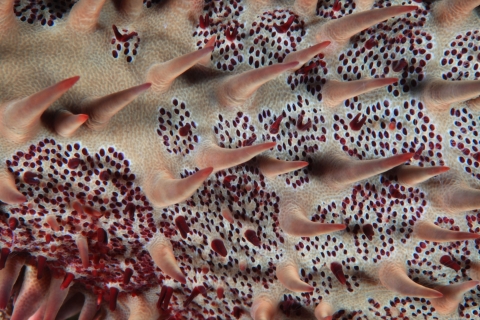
{"x":271,"y":167}
{"x":439,"y":95}
{"x":426,"y":230}
{"x":413,"y":175}
{"x":162,"y":254}
{"x":303,"y":56}
{"x":288,"y":276}
{"x":66,"y":123}
{"x":452,"y":296}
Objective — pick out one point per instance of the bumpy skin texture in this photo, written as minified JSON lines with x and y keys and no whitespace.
{"x":227,"y":237}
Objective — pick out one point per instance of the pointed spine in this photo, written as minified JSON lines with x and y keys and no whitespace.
{"x":21,"y":118}
{"x":101,"y":110}
{"x":163,"y":192}
{"x":294,"y":222}
{"x":324,"y":311}
{"x":84,"y":15}
{"x":82,"y":245}
{"x":220,"y":158}
{"x":162,"y":254}
{"x":235,"y":90}
{"x":8,"y":276}
{"x":162,"y":75}
{"x":335,"y":92}
{"x":341,"y":172}
{"x":8,"y":191}
{"x":341,"y":30}
{"x":440,"y":94}
{"x":305,"y":55}
{"x":66,"y":123}
{"x":206,"y":60}
{"x":454,"y":12}
{"x":452,"y":296}
{"x":271,"y":167}
{"x":394,"y":278}
{"x":288,"y":276}
{"x":428,"y":231}
{"x":263,"y":308}
{"x":412,"y":175}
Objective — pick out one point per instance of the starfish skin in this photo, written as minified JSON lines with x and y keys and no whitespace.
{"x":216,"y":159}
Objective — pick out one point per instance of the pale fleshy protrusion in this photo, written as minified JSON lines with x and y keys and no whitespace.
{"x":427,"y":230}
{"x":263,"y":308}
{"x":21,"y":118}
{"x":412,"y":175}
{"x":162,"y":254}
{"x":219,"y":158}
{"x":101,"y":110}
{"x":474,"y":104}
{"x":339,"y":172}
{"x":8,"y":276}
{"x":288,"y":276}
{"x":50,"y":307}
{"x":305,"y":55}
{"x":235,"y":90}
{"x":162,"y":75}
{"x":206,"y":60}
{"x":32,"y":294}
{"x":7,"y":16}
{"x":454,"y":12}
{"x":242,"y":265}
{"x":440,"y":94}
{"x":294,"y":222}
{"x":131,"y":8}
{"x":452,"y":296}
{"x":394,"y":278}
{"x":271,"y":167}
{"x":227,"y":214}
{"x":141,"y":309}
{"x":341,"y":30}
{"x":8,"y":191}
{"x":305,"y":7}
{"x":51,"y":219}
{"x":335,"y":92}
{"x":66,"y":123}
{"x":324,"y":311}
{"x":459,"y":199}
{"x":84,"y":15}
{"x":475,"y":271}
{"x":82,"y":245}
{"x":363,"y":5}
{"x":164,"y":191}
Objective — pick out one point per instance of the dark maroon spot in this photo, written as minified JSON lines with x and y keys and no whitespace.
{"x":355,"y":124}
{"x":127,"y":275}
{"x":3,"y":258}
{"x":183,"y":131}
{"x":338,"y":272}
{"x":102,"y":236}
{"x":123,"y":37}
{"x":252,"y":238}
{"x":112,"y":305}
{"x":337,"y":6}
{"x":218,"y":246}
{"x":231,"y":33}
{"x":182,"y":226}
{"x":370,"y":43}
{"x":395,"y":193}
{"x":31,"y":178}
{"x":13,"y":223}
{"x":229,"y":179}
{"x":74,"y":163}
{"x":447,"y":261}
{"x":274,"y":128}
{"x":164,"y":298}
{"x":237,"y":312}
{"x":368,"y":231}
{"x":195,"y":292}
{"x":284,"y":26}
{"x":303,"y":126}
{"x":130,"y":210}
{"x":399,"y":65}
{"x":104,"y":175}
{"x":204,"y":22}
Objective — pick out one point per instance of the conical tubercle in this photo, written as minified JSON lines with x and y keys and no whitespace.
{"x":452,"y":296}
{"x":394,"y":278}
{"x":161,"y":251}
{"x":341,"y":30}
{"x":457,"y":199}
{"x":101,"y":110}
{"x":413,"y":175}
{"x":163,"y":190}
{"x":84,"y":15}
{"x":8,"y":190}
{"x":453,"y":12}
{"x":8,"y":276}
{"x":293,"y":221}
{"x":339,"y":172}
{"x":21,"y":117}
{"x":211,"y":155}
{"x":7,"y":16}
{"x":324,"y":311}
{"x":287,"y":274}
{"x":335,"y":92}
{"x":162,"y":75}
{"x":438,"y":95}
{"x":263,"y":308}
{"x":305,"y":55}
{"x":66,"y":123}
{"x":271,"y":167}
{"x":426,"y":230}
{"x":235,"y":90}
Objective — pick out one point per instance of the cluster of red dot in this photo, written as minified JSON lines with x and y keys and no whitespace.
{"x":41,"y":11}
{"x":463,"y":57}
